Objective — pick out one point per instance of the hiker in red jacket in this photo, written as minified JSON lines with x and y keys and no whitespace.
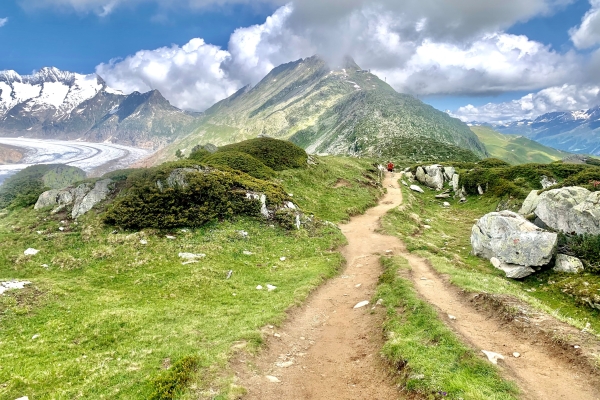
{"x":390,"y":167}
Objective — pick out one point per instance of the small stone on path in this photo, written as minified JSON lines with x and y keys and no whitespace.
{"x":359,"y":285}
{"x":272,"y":379}
{"x":493,"y":357}
{"x":516,"y":355}
{"x":362,"y":304}
{"x":452,"y":317}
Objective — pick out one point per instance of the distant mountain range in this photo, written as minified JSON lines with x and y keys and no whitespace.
{"x":55,"y":104}
{"x":572,"y":131}
{"x":343,"y":110}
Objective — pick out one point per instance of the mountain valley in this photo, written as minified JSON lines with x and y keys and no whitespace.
{"x":572,"y":131}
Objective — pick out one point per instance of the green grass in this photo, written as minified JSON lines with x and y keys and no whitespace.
{"x":117,"y":319}
{"x":431,"y":361}
{"x":447,"y":245}
{"x":335,"y":188}
{"x":516,"y":149}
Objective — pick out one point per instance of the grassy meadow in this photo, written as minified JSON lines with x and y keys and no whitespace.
{"x":119,"y":315}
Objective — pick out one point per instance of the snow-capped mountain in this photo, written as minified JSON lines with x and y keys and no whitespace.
{"x":573,"y":131}
{"x":63,"y":105}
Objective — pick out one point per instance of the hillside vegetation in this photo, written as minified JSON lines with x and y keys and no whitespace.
{"x":516,"y":149}
{"x":127,"y":314}
{"x":24,"y":188}
{"x":344,"y":110}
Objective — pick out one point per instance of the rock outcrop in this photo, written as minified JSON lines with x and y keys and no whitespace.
{"x":431,"y":176}
{"x":513,"y":241}
{"x":83,"y":197}
{"x":568,"y":264}
{"x":570,"y":209}
{"x":435,"y":176}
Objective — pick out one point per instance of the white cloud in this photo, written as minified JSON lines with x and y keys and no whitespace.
{"x":531,"y":106}
{"x":190,"y":76}
{"x":422,"y":47}
{"x":588,"y":33}
{"x":494,"y":63}
{"x":3,"y":21}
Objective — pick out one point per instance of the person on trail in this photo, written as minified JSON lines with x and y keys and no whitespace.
{"x":390,"y":167}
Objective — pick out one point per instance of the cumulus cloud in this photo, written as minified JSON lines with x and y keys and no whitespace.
{"x":491,"y":64}
{"x":588,"y":33}
{"x":3,"y":21}
{"x":531,"y":106}
{"x":422,"y":47}
{"x":190,"y":76}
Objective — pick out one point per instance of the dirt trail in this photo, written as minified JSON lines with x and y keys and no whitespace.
{"x":328,"y":350}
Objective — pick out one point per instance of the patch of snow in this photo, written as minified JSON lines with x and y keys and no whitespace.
{"x":4,"y":286}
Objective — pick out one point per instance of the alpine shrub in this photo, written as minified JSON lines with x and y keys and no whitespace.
{"x":241,"y":162}
{"x":276,"y":154}
{"x":153,"y":199}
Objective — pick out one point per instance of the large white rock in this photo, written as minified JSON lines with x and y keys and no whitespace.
{"x":570,"y":209}
{"x":530,"y":203}
{"x":455,"y":180}
{"x":569,"y":264}
{"x":83,"y":197}
{"x":431,"y":176}
{"x":512,"y":240}
{"x":416,"y":188}
{"x":449,"y":173}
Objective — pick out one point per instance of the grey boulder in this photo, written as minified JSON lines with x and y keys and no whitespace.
{"x":570,"y":209}
{"x":512,"y":239}
{"x":530,"y":203}
{"x":85,"y":203}
{"x":568,"y":264}
{"x":431,"y":176}
{"x":83,"y":197}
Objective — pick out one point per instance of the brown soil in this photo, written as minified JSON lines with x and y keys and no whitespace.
{"x":328,"y":350}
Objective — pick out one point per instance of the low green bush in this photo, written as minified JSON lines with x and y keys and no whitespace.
{"x":518,"y":180}
{"x":119,"y":175}
{"x":170,"y":384}
{"x":276,"y":154}
{"x":241,"y":162}
{"x":492,"y":163}
{"x":199,"y":154}
{"x":207,"y":195}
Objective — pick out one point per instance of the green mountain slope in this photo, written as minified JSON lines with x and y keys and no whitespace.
{"x":341,"y":111}
{"x":516,"y":149}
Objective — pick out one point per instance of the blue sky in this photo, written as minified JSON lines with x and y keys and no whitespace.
{"x":508,"y":61}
